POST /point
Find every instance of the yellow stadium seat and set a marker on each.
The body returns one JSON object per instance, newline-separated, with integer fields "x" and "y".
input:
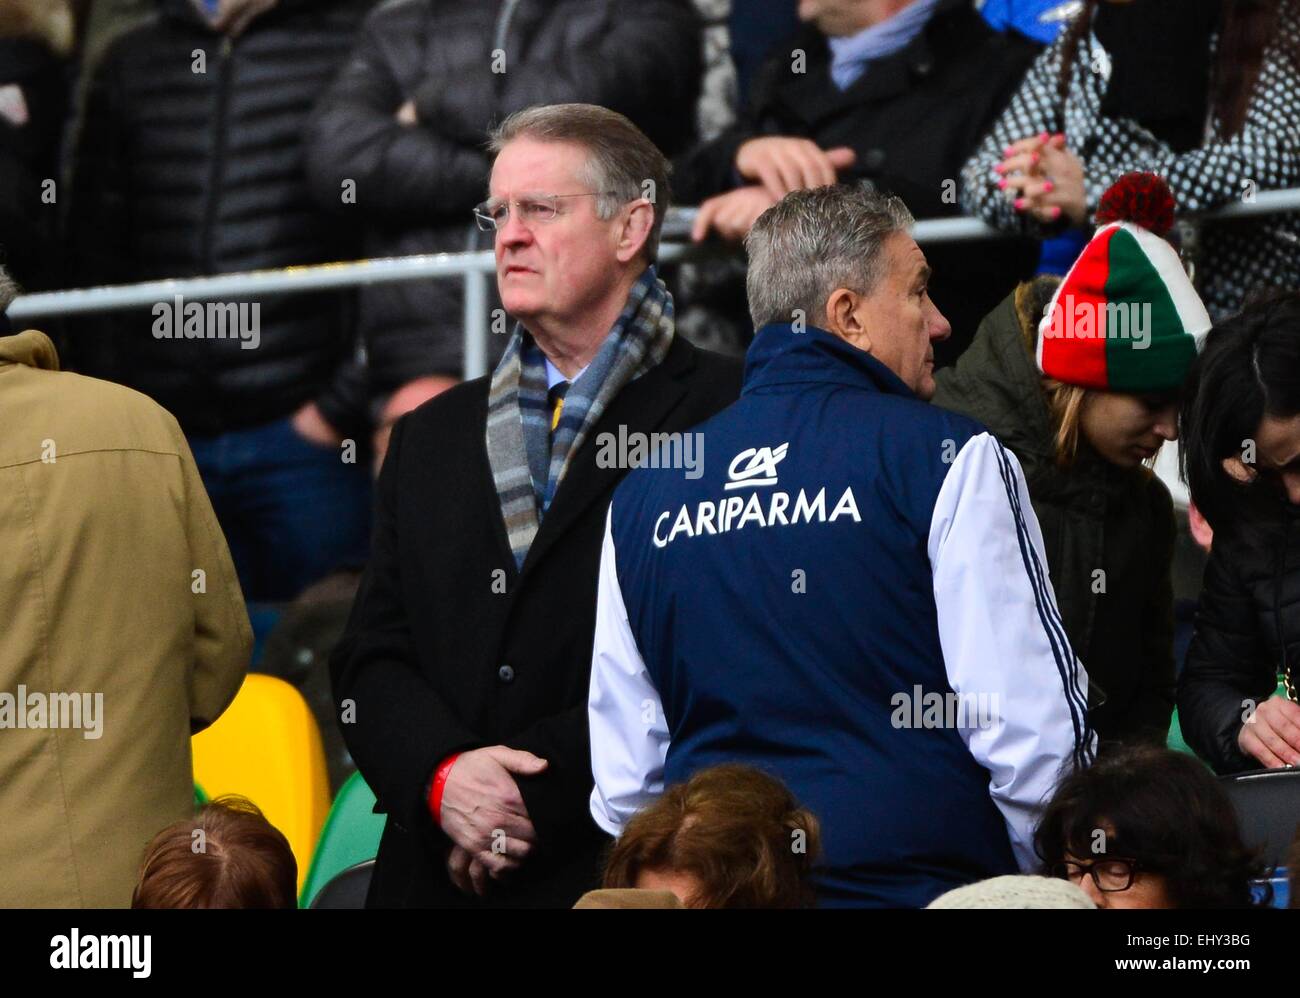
{"x": 266, "y": 747}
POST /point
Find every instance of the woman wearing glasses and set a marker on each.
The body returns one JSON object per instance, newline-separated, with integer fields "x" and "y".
{"x": 1241, "y": 433}
{"x": 1147, "y": 828}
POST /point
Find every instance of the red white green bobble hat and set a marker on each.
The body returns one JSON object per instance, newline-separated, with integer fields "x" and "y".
{"x": 1126, "y": 318}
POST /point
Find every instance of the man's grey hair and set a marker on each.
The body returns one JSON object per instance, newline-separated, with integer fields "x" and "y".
{"x": 9, "y": 289}
{"x": 814, "y": 241}
{"x": 621, "y": 158}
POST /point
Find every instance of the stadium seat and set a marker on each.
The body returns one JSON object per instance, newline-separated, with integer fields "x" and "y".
{"x": 347, "y": 889}
{"x": 267, "y": 748}
{"x": 1268, "y": 809}
{"x": 350, "y": 836}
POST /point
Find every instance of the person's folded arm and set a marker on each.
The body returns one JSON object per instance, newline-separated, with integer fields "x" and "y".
{"x": 644, "y": 62}
{"x": 403, "y": 174}
{"x": 1002, "y": 636}
{"x": 1227, "y": 671}
{"x": 629, "y": 733}
{"x": 397, "y": 727}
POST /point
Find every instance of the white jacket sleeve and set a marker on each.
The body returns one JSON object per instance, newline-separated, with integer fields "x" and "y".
{"x": 1002, "y": 636}
{"x": 629, "y": 735}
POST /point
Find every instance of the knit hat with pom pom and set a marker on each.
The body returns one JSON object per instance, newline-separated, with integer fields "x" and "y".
{"x": 1126, "y": 317}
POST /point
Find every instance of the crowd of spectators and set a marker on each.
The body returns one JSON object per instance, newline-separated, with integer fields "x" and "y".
{"x": 164, "y": 482}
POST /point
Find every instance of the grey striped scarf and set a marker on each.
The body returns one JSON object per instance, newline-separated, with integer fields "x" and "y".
{"x": 528, "y": 461}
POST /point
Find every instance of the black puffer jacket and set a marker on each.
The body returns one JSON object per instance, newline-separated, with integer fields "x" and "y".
{"x": 415, "y": 187}
{"x": 1247, "y": 631}
{"x": 189, "y": 167}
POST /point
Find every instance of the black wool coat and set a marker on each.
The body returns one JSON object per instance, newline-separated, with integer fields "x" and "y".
{"x": 436, "y": 659}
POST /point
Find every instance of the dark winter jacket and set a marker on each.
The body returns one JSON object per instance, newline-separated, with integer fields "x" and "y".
{"x": 912, "y": 118}
{"x": 1247, "y": 631}
{"x": 30, "y": 130}
{"x": 1109, "y": 532}
{"x": 191, "y": 163}
{"x": 466, "y": 66}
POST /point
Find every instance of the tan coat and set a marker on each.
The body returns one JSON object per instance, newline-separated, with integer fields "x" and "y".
{"x": 104, "y": 524}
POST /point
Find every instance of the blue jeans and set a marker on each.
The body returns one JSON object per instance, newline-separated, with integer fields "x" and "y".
{"x": 292, "y": 511}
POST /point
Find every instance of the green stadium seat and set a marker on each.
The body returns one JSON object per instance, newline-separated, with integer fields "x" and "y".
{"x": 350, "y": 836}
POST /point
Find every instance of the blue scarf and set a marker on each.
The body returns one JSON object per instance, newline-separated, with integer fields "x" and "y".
{"x": 850, "y": 56}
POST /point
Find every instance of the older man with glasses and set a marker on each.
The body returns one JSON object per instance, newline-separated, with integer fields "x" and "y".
{"x": 462, "y": 678}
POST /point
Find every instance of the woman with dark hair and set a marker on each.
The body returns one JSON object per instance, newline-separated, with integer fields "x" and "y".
{"x": 1147, "y": 828}
{"x": 1241, "y": 459}
{"x": 1205, "y": 93}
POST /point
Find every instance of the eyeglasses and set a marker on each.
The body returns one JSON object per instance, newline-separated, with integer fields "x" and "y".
{"x": 1110, "y": 875}
{"x": 493, "y": 213}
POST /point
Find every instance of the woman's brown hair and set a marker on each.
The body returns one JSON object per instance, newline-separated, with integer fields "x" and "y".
{"x": 227, "y": 856}
{"x": 1247, "y": 28}
{"x": 1064, "y": 402}
{"x": 738, "y": 832}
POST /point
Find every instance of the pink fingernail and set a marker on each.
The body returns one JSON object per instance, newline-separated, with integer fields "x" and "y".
{"x": 1019, "y": 203}
{"x": 1002, "y": 184}
{"x": 1007, "y": 150}
{"x": 999, "y": 168}
{"x": 1043, "y": 136}
{"x": 1048, "y": 187}
{"x": 1035, "y": 158}
{"x": 1056, "y": 213}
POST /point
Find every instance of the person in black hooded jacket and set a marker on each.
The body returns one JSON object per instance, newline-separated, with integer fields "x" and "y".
{"x": 397, "y": 142}
{"x": 190, "y": 162}
{"x": 1241, "y": 434}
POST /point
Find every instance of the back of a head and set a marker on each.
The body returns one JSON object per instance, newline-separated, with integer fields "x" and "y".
{"x": 226, "y": 856}
{"x": 814, "y": 241}
{"x": 737, "y": 833}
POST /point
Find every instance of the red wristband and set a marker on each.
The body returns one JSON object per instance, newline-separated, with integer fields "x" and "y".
{"x": 438, "y": 785}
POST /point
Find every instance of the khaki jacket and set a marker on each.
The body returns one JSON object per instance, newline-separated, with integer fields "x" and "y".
{"x": 115, "y": 584}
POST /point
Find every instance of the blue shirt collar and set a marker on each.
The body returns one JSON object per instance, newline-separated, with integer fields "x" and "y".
{"x": 850, "y": 56}
{"x": 554, "y": 375}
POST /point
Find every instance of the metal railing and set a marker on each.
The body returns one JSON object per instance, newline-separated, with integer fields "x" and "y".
{"x": 472, "y": 268}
